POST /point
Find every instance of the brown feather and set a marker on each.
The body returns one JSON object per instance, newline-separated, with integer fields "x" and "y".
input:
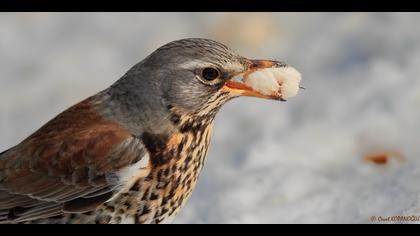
{"x": 62, "y": 162}
{"x": 81, "y": 205}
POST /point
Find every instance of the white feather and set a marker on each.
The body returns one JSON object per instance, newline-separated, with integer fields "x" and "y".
{"x": 127, "y": 220}
{"x": 128, "y": 173}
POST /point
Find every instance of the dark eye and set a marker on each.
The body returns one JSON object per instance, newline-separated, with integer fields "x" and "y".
{"x": 210, "y": 74}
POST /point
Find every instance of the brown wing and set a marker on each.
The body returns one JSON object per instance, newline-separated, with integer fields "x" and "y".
{"x": 69, "y": 165}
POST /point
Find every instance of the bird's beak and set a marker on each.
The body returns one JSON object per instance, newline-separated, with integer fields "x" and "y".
{"x": 265, "y": 79}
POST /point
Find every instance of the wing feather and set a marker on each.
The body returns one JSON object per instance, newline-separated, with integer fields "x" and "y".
{"x": 65, "y": 166}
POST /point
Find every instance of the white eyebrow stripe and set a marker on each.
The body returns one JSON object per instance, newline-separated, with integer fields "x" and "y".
{"x": 192, "y": 65}
{"x": 195, "y": 64}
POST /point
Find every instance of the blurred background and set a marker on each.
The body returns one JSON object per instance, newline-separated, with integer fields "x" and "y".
{"x": 343, "y": 150}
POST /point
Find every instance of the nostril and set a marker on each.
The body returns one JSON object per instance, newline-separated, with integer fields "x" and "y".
{"x": 254, "y": 65}
{"x": 279, "y": 64}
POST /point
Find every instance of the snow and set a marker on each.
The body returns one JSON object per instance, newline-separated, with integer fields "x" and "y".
{"x": 302, "y": 161}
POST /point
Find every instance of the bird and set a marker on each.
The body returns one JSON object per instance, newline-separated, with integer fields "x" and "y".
{"x": 132, "y": 153}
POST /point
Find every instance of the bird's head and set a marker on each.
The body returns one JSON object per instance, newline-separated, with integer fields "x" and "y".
{"x": 197, "y": 76}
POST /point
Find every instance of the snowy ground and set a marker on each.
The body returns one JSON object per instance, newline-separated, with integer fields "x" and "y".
{"x": 295, "y": 162}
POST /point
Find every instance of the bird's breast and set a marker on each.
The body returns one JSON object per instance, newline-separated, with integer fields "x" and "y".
{"x": 174, "y": 165}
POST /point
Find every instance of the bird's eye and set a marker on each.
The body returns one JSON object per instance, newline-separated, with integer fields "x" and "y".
{"x": 210, "y": 74}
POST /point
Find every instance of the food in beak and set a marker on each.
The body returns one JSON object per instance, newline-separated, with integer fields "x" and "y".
{"x": 278, "y": 81}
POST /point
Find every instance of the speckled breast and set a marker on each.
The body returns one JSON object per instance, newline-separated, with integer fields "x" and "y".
{"x": 158, "y": 197}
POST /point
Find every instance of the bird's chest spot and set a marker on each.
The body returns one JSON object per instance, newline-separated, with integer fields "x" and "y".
{"x": 170, "y": 184}
{"x": 159, "y": 196}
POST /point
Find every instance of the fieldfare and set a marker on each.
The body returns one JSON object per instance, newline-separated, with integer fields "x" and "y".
{"x": 133, "y": 152}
